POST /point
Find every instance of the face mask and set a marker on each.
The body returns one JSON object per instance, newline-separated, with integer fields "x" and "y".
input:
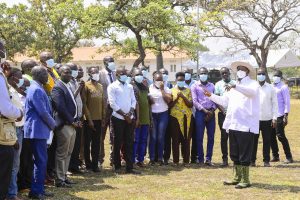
{"x": 145, "y": 73}
{"x": 26, "y": 89}
{"x": 203, "y": 77}
{"x": 21, "y": 82}
{"x": 111, "y": 66}
{"x": 187, "y": 76}
{"x": 128, "y": 80}
{"x": 261, "y": 78}
{"x": 95, "y": 77}
{"x": 276, "y": 79}
{"x": 123, "y": 78}
{"x": 157, "y": 83}
{"x": 180, "y": 84}
{"x": 74, "y": 73}
{"x": 50, "y": 63}
{"x": 165, "y": 77}
{"x": 139, "y": 79}
{"x": 241, "y": 74}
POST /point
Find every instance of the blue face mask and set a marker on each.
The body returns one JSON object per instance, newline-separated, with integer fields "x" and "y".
{"x": 128, "y": 80}
{"x": 139, "y": 79}
{"x": 50, "y": 63}
{"x": 180, "y": 84}
{"x": 111, "y": 66}
{"x": 123, "y": 78}
{"x": 261, "y": 77}
{"x": 187, "y": 76}
{"x": 74, "y": 73}
{"x": 165, "y": 77}
{"x": 203, "y": 77}
{"x": 145, "y": 73}
{"x": 21, "y": 82}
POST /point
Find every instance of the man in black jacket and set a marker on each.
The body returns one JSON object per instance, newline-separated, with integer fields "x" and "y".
{"x": 66, "y": 120}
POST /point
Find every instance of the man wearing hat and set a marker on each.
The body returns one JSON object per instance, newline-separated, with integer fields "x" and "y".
{"x": 241, "y": 121}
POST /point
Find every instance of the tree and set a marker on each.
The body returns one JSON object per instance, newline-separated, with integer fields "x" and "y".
{"x": 15, "y": 30}
{"x": 56, "y": 26}
{"x": 269, "y": 19}
{"x": 154, "y": 25}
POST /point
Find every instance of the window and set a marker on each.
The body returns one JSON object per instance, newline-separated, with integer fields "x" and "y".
{"x": 173, "y": 68}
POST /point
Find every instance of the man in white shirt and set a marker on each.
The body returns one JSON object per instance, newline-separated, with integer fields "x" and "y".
{"x": 123, "y": 103}
{"x": 267, "y": 116}
{"x": 241, "y": 121}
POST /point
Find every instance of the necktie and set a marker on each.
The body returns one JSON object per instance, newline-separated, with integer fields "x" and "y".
{"x": 110, "y": 77}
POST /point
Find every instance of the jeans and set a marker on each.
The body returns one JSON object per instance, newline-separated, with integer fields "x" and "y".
{"x": 157, "y": 137}
{"x": 140, "y": 143}
{"x": 40, "y": 157}
{"x": 210, "y": 127}
{"x": 13, "y": 187}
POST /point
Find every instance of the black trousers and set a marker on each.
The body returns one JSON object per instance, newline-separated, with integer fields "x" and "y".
{"x": 266, "y": 129}
{"x": 168, "y": 138}
{"x": 26, "y": 165}
{"x": 224, "y": 136}
{"x": 194, "y": 152}
{"x": 123, "y": 135}
{"x": 51, "y": 157}
{"x": 280, "y": 133}
{"x": 6, "y": 164}
{"x": 241, "y": 145}
{"x": 75, "y": 161}
{"x": 92, "y": 144}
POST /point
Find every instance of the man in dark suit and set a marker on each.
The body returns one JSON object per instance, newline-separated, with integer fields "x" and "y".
{"x": 66, "y": 119}
{"x": 107, "y": 76}
{"x": 37, "y": 127}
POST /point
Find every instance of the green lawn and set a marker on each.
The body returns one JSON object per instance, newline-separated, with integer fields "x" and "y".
{"x": 178, "y": 182}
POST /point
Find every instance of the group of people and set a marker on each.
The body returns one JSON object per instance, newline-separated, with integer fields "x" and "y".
{"x": 53, "y": 122}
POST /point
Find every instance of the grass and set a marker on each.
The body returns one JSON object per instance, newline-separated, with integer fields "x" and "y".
{"x": 177, "y": 182}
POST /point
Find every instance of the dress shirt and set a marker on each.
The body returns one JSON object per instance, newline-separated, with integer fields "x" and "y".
{"x": 268, "y": 102}
{"x": 7, "y": 109}
{"x": 73, "y": 86}
{"x": 283, "y": 98}
{"x": 201, "y": 101}
{"x": 121, "y": 96}
{"x": 159, "y": 104}
{"x": 242, "y": 104}
{"x": 72, "y": 95}
{"x": 19, "y": 101}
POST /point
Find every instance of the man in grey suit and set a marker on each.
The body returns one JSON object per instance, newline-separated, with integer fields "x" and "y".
{"x": 107, "y": 76}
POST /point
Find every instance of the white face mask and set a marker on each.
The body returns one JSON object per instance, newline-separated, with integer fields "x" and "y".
{"x": 95, "y": 77}
{"x": 276, "y": 79}
{"x": 74, "y": 73}
{"x": 241, "y": 74}
{"x": 203, "y": 77}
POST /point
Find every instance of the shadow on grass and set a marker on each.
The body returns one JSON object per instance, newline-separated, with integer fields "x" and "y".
{"x": 289, "y": 188}
{"x": 296, "y": 164}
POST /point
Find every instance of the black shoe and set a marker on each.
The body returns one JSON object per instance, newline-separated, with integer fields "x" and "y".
{"x": 63, "y": 185}
{"x": 208, "y": 163}
{"x": 275, "y": 159}
{"x": 36, "y": 196}
{"x": 48, "y": 194}
{"x": 132, "y": 171}
{"x": 166, "y": 162}
{"x": 253, "y": 164}
{"x": 288, "y": 161}
{"x": 225, "y": 163}
{"x": 76, "y": 171}
{"x": 161, "y": 163}
{"x": 267, "y": 164}
{"x": 151, "y": 163}
{"x": 96, "y": 170}
{"x": 69, "y": 182}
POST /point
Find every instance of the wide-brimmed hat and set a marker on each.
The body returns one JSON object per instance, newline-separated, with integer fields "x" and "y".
{"x": 246, "y": 64}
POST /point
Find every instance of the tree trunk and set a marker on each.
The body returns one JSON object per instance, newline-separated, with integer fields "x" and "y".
{"x": 142, "y": 56}
{"x": 264, "y": 59}
{"x": 159, "y": 55}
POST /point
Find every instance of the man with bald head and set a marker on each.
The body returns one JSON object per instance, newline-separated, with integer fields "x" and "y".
{"x": 27, "y": 66}
{"x": 37, "y": 127}
{"x": 65, "y": 108}
{"x": 107, "y": 77}
{"x": 46, "y": 60}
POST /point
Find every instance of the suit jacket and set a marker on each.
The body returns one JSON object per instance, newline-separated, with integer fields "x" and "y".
{"x": 63, "y": 104}
{"x": 38, "y": 114}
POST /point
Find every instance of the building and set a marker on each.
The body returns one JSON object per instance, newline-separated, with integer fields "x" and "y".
{"x": 91, "y": 56}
